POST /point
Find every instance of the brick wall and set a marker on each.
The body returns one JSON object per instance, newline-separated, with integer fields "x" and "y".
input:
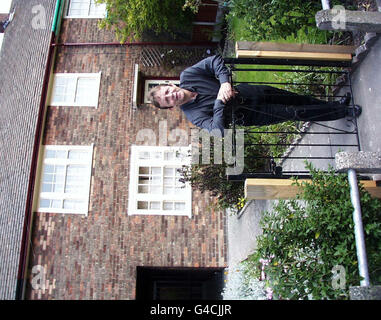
{"x": 95, "y": 257}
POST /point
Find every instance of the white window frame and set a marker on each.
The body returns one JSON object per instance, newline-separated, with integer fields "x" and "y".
{"x": 84, "y": 196}
{"x": 147, "y": 84}
{"x": 98, "y": 16}
{"x": 134, "y": 196}
{"x": 76, "y": 77}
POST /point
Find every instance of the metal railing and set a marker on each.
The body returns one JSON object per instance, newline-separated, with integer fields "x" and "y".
{"x": 296, "y": 142}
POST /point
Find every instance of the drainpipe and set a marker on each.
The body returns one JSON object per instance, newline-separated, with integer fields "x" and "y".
{"x": 23, "y": 263}
{"x": 137, "y": 44}
{"x": 359, "y": 230}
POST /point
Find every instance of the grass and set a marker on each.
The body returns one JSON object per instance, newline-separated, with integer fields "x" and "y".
{"x": 238, "y": 32}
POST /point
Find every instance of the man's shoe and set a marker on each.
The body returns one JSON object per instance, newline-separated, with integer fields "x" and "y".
{"x": 346, "y": 99}
{"x": 354, "y": 111}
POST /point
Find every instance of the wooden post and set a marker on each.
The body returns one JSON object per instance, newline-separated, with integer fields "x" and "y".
{"x": 267, "y": 189}
{"x": 273, "y": 50}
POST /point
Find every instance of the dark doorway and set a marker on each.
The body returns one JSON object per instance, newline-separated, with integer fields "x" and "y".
{"x": 157, "y": 283}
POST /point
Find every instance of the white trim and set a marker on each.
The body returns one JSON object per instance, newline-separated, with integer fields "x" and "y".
{"x": 1, "y": 40}
{"x": 75, "y": 77}
{"x": 67, "y": 16}
{"x": 134, "y": 196}
{"x": 135, "y": 90}
{"x": 85, "y": 196}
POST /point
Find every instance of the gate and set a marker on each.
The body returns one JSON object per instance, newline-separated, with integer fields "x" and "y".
{"x": 281, "y": 151}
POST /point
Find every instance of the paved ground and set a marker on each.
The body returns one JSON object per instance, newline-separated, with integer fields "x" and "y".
{"x": 366, "y": 82}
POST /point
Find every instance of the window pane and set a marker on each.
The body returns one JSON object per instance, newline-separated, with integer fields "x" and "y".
{"x": 155, "y": 190}
{"x": 78, "y": 155}
{"x": 75, "y": 179}
{"x": 169, "y": 155}
{"x": 142, "y": 204}
{"x": 154, "y": 205}
{"x": 144, "y": 155}
{"x": 179, "y": 206}
{"x": 53, "y": 178}
{"x": 169, "y": 190}
{"x": 85, "y": 94}
{"x": 47, "y": 187}
{"x": 143, "y": 170}
{"x": 97, "y": 9}
{"x": 157, "y": 155}
{"x": 156, "y": 170}
{"x": 156, "y": 180}
{"x": 50, "y": 204}
{"x": 143, "y": 180}
{"x": 168, "y": 181}
{"x": 169, "y": 172}
{"x": 143, "y": 189}
{"x": 64, "y": 88}
{"x": 79, "y": 8}
{"x": 48, "y": 178}
{"x": 168, "y": 205}
{"x": 74, "y": 204}
{"x": 55, "y": 154}
{"x": 48, "y": 169}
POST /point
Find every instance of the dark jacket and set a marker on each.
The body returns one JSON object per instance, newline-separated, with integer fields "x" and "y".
{"x": 205, "y": 78}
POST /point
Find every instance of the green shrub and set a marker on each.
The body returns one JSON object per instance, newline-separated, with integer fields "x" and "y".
{"x": 131, "y": 18}
{"x": 212, "y": 177}
{"x": 269, "y": 20}
{"x": 303, "y": 241}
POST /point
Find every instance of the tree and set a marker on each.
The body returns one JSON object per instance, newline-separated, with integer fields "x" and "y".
{"x": 130, "y": 18}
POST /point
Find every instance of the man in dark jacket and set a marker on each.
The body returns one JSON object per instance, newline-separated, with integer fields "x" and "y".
{"x": 205, "y": 93}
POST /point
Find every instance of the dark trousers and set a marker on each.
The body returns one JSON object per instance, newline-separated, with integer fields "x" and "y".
{"x": 265, "y": 105}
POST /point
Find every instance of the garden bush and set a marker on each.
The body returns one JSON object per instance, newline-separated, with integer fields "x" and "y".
{"x": 212, "y": 177}
{"x": 276, "y": 19}
{"x": 305, "y": 240}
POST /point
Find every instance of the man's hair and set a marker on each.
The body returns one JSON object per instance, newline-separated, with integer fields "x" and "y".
{"x": 152, "y": 95}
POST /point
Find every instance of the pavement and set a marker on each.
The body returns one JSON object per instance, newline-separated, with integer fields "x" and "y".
{"x": 366, "y": 85}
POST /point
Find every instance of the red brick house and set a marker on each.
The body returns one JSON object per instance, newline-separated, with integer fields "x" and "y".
{"x": 111, "y": 220}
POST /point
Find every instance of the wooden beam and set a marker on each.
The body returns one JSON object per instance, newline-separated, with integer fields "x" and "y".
{"x": 272, "y": 50}
{"x": 293, "y": 47}
{"x": 267, "y": 189}
{"x": 294, "y": 55}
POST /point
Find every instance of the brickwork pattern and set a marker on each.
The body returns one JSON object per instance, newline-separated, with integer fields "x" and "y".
{"x": 95, "y": 256}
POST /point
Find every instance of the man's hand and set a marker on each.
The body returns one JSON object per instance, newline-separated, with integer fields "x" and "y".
{"x": 226, "y": 92}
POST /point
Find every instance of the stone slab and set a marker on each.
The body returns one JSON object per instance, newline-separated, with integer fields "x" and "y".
{"x": 365, "y": 293}
{"x": 348, "y": 20}
{"x": 361, "y": 161}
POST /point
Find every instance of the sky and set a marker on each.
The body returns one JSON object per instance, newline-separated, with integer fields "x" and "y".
{"x": 5, "y": 5}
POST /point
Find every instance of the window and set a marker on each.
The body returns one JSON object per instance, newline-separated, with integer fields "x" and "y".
{"x": 149, "y": 84}
{"x": 155, "y": 185}
{"x": 85, "y": 9}
{"x": 65, "y": 179}
{"x": 76, "y": 89}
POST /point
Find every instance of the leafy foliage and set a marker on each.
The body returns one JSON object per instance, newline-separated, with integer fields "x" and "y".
{"x": 212, "y": 176}
{"x": 305, "y": 238}
{"x": 269, "y": 20}
{"x": 130, "y": 18}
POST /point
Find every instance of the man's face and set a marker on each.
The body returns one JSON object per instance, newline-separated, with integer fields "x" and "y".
{"x": 170, "y": 96}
